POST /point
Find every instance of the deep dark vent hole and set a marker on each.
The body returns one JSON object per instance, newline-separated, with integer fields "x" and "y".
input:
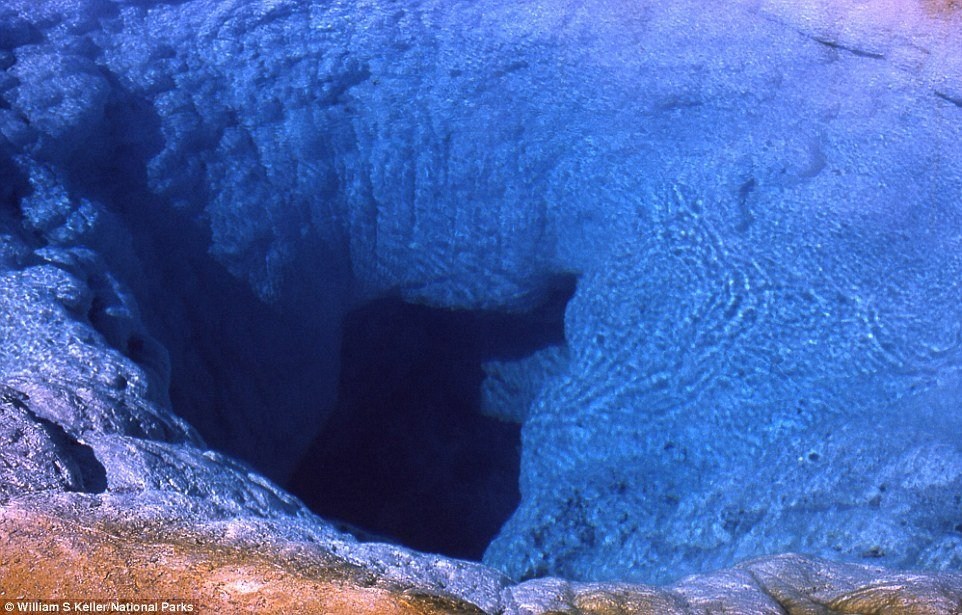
{"x": 407, "y": 454}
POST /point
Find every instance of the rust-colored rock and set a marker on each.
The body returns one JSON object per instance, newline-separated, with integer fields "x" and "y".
{"x": 53, "y": 554}
{"x": 45, "y": 557}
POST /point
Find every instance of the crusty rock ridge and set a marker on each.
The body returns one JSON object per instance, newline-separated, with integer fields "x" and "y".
{"x": 72, "y": 549}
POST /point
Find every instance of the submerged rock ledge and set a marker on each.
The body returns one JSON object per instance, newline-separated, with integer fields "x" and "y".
{"x": 87, "y": 546}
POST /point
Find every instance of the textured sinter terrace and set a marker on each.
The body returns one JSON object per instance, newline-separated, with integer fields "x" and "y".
{"x": 72, "y": 550}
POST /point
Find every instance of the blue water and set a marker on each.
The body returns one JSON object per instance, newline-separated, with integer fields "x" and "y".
{"x": 760, "y": 205}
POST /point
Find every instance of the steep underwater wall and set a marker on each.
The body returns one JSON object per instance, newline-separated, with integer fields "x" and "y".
{"x": 760, "y": 204}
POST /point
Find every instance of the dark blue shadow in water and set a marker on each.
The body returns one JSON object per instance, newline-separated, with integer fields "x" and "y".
{"x": 407, "y": 455}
